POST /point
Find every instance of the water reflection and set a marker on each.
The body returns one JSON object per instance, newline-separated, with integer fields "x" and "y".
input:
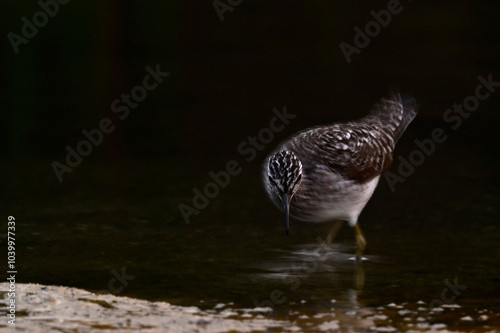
{"x": 335, "y": 272}
{"x": 316, "y": 264}
{"x": 310, "y": 265}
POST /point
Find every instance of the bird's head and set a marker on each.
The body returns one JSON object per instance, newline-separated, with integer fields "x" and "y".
{"x": 284, "y": 173}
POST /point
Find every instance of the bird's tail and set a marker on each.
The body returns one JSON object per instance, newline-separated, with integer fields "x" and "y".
{"x": 395, "y": 113}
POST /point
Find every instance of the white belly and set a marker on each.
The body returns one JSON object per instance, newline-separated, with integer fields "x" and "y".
{"x": 334, "y": 199}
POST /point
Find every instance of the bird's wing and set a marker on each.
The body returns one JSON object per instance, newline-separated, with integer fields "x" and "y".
{"x": 359, "y": 150}
{"x": 356, "y": 150}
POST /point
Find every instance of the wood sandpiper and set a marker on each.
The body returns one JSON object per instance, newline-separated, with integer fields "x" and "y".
{"x": 329, "y": 172}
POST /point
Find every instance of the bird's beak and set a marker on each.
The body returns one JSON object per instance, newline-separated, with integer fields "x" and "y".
{"x": 286, "y": 208}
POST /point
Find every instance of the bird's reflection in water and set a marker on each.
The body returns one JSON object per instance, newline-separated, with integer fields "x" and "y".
{"x": 318, "y": 261}
{"x": 321, "y": 282}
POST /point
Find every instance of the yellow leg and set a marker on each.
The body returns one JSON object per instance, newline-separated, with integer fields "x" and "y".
{"x": 334, "y": 232}
{"x": 360, "y": 240}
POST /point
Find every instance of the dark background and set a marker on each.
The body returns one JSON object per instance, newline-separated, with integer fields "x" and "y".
{"x": 227, "y": 76}
{"x": 119, "y": 207}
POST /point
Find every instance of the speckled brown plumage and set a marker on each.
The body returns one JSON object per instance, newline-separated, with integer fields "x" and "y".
{"x": 330, "y": 172}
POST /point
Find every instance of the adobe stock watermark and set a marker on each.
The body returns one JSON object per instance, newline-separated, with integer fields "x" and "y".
{"x": 29, "y": 29}
{"x": 117, "y": 283}
{"x": 454, "y": 290}
{"x": 249, "y": 148}
{"x": 222, "y": 6}
{"x": 120, "y": 106}
{"x": 449, "y": 294}
{"x": 454, "y": 117}
{"x": 372, "y": 29}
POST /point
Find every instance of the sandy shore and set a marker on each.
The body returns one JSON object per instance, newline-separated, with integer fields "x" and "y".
{"x": 60, "y": 309}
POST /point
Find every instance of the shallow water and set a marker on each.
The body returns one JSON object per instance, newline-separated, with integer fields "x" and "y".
{"x": 432, "y": 256}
